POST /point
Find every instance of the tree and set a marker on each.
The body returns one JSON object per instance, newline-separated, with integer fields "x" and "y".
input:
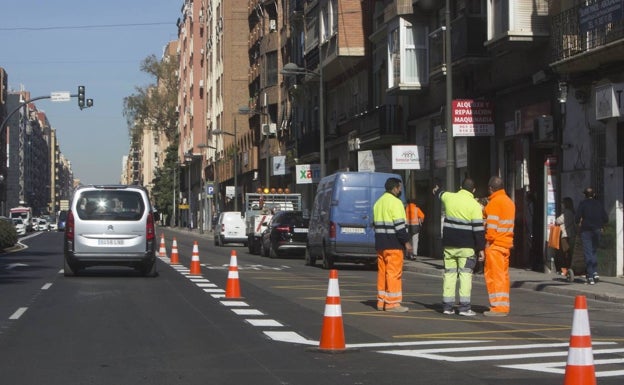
{"x": 164, "y": 183}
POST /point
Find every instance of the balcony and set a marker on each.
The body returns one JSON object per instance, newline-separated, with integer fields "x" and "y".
{"x": 468, "y": 33}
{"x": 380, "y": 126}
{"x": 585, "y": 43}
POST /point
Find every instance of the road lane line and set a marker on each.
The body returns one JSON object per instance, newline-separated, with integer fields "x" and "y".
{"x": 263, "y": 322}
{"x": 18, "y": 313}
{"x": 46, "y": 286}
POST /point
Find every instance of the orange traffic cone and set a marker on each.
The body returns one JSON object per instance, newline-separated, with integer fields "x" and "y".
{"x": 580, "y": 367}
{"x": 195, "y": 268}
{"x": 232, "y": 288}
{"x": 175, "y": 258}
{"x": 162, "y": 252}
{"x": 332, "y": 334}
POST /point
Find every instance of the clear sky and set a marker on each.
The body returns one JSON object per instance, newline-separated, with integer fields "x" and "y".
{"x": 56, "y": 45}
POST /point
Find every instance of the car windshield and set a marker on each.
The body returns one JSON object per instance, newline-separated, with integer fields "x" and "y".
{"x": 110, "y": 205}
{"x": 18, "y": 221}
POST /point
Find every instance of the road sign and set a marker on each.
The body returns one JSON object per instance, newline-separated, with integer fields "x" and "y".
{"x": 60, "y": 96}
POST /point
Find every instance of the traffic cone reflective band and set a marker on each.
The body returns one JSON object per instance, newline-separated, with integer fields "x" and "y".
{"x": 580, "y": 367}
{"x": 175, "y": 258}
{"x": 195, "y": 268}
{"x": 332, "y": 334}
{"x": 162, "y": 252}
{"x": 232, "y": 288}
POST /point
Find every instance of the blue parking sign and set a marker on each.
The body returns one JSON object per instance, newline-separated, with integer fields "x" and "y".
{"x": 210, "y": 190}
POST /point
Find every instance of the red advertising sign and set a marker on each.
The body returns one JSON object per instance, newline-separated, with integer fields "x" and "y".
{"x": 473, "y": 118}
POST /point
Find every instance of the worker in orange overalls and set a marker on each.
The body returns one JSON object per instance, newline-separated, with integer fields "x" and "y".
{"x": 415, "y": 218}
{"x": 500, "y": 214}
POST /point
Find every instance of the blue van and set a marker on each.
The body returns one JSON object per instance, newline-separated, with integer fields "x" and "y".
{"x": 341, "y": 220}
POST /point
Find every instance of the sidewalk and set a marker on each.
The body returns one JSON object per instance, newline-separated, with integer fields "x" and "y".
{"x": 610, "y": 289}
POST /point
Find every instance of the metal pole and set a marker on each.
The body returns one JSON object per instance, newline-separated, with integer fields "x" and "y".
{"x": 200, "y": 220}
{"x": 173, "y": 216}
{"x": 450, "y": 144}
{"x": 188, "y": 212}
{"x": 322, "y": 120}
{"x": 235, "y": 167}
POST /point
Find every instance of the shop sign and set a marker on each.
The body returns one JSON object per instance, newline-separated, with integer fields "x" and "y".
{"x": 609, "y": 101}
{"x": 408, "y": 157}
{"x": 473, "y": 117}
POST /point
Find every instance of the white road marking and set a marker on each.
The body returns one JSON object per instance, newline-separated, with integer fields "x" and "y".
{"x": 234, "y": 303}
{"x": 247, "y": 312}
{"x": 263, "y": 322}
{"x": 46, "y": 286}
{"x": 559, "y": 367}
{"x": 18, "y": 313}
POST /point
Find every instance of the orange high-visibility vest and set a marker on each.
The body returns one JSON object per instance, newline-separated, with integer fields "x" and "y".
{"x": 414, "y": 215}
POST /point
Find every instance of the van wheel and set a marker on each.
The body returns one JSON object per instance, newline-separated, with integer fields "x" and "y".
{"x": 68, "y": 269}
{"x": 309, "y": 259}
{"x": 148, "y": 269}
{"x": 328, "y": 261}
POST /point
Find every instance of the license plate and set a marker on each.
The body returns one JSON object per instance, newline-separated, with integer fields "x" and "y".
{"x": 352, "y": 230}
{"x": 300, "y": 230}
{"x": 110, "y": 242}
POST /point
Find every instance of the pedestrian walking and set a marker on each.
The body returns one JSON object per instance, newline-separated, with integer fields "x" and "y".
{"x": 565, "y": 221}
{"x": 463, "y": 235}
{"x": 415, "y": 218}
{"x": 391, "y": 242}
{"x": 500, "y": 216}
{"x": 591, "y": 218}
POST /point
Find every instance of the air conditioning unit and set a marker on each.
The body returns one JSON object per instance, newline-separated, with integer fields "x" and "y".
{"x": 272, "y": 25}
{"x": 201, "y": 83}
{"x": 269, "y": 129}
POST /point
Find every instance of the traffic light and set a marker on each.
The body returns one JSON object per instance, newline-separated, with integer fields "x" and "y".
{"x": 89, "y": 103}
{"x": 81, "y": 97}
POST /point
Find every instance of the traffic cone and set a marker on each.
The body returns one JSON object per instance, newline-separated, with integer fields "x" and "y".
{"x": 175, "y": 258}
{"x": 195, "y": 268}
{"x": 162, "y": 252}
{"x": 580, "y": 366}
{"x": 332, "y": 334}
{"x": 232, "y": 288}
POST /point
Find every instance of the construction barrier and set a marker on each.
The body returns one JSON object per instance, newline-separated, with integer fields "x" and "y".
{"x": 332, "y": 333}
{"x": 580, "y": 366}
{"x": 195, "y": 267}
{"x": 232, "y": 288}
{"x": 175, "y": 258}
{"x": 162, "y": 251}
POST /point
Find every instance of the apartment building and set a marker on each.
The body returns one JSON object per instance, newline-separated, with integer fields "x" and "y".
{"x": 337, "y": 84}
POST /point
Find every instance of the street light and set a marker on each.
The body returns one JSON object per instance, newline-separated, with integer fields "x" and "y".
{"x": 293, "y": 69}
{"x": 221, "y": 132}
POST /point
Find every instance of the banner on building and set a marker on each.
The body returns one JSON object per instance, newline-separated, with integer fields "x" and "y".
{"x": 410, "y": 157}
{"x": 472, "y": 117}
{"x": 308, "y": 173}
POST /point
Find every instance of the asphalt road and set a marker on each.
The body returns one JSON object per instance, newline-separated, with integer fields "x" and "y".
{"x": 111, "y": 325}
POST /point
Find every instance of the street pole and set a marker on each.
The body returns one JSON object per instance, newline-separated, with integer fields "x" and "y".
{"x": 450, "y": 144}
{"x": 322, "y": 121}
{"x": 235, "y": 166}
{"x": 173, "y": 219}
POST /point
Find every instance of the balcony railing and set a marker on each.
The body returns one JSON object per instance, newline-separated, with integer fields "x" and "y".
{"x": 571, "y": 36}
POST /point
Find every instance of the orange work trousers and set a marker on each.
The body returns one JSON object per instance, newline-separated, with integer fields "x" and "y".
{"x": 496, "y": 274}
{"x": 389, "y": 272}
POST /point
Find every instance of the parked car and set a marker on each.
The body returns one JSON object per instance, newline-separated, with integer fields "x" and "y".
{"x": 110, "y": 225}
{"x": 53, "y": 226}
{"x": 341, "y": 220}
{"x": 43, "y": 225}
{"x": 230, "y": 228}
{"x": 20, "y": 226}
{"x": 286, "y": 234}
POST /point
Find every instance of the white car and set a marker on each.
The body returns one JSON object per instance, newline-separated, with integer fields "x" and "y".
{"x": 53, "y": 226}
{"x": 43, "y": 225}
{"x": 20, "y": 227}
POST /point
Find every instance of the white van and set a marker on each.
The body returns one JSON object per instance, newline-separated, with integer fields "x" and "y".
{"x": 230, "y": 228}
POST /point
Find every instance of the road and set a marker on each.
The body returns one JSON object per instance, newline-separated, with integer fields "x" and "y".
{"x": 111, "y": 325}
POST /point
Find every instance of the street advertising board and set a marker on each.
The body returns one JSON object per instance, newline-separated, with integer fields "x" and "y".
{"x": 408, "y": 157}
{"x": 473, "y": 117}
{"x": 308, "y": 173}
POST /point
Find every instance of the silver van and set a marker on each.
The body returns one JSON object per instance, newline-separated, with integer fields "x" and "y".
{"x": 110, "y": 225}
{"x": 230, "y": 228}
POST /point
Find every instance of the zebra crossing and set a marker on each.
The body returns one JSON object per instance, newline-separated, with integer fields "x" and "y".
{"x": 530, "y": 357}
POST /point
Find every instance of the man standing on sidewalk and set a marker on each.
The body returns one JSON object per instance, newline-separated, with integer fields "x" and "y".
{"x": 391, "y": 242}
{"x": 462, "y": 237}
{"x": 592, "y": 218}
{"x": 500, "y": 214}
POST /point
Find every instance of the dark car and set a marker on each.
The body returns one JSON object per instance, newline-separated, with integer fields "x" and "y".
{"x": 286, "y": 234}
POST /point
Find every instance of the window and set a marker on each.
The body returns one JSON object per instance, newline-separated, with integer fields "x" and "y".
{"x": 407, "y": 55}
{"x": 271, "y": 68}
{"x": 329, "y": 20}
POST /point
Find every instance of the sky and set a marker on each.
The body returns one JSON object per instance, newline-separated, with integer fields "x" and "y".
{"x": 48, "y": 46}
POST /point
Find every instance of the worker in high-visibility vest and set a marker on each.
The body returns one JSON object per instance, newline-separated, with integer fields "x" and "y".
{"x": 500, "y": 214}
{"x": 391, "y": 242}
{"x": 415, "y": 218}
{"x": 462, "y": 237}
